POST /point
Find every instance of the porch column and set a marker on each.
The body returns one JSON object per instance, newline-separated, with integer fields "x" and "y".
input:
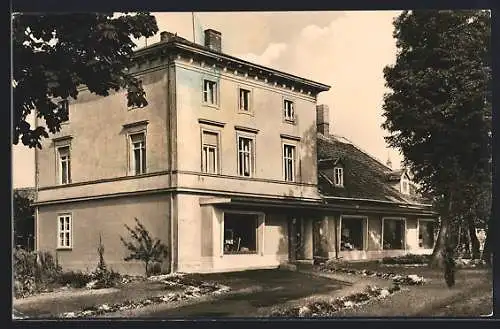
{"x": 308, "y": 239}
{"x": 331, "y": 238}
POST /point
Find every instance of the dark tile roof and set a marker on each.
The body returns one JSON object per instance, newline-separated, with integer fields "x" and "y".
{"x": 364, "y": 176}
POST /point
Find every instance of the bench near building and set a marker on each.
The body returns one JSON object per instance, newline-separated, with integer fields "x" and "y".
{"x": 231, "y": 164}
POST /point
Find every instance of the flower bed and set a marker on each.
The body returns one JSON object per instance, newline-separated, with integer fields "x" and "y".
{"x": 191, "y": 289}
{"x": 324, "y": 308}
{"x": 409, "y": 280}
{"x": 469, "y": 263}
{"x": 409, "y": 259}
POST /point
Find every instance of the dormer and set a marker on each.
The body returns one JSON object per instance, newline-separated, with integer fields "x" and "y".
{"x": 333, "y": 168}
{"x": 401, "y": 181}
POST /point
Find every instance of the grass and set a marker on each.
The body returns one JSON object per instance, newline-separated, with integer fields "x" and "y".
{"x": 471, "y": 295}
{"x": 261, "y": 289}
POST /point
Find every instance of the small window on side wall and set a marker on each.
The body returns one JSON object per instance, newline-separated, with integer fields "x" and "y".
{"x": 338, "y": 176}
{"x": 289, "y": 110}
{"x": 138, "y": 153}
{"x": 244, "y": 100}
{"x": 210, "y": 92}
{"x": 63, "y": 110}
{"x": 210, "y": 152}
{"x": 64, "y": 164}
{"x": 64, "y": 232}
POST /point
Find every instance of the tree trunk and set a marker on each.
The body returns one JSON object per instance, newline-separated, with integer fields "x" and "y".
{"x": 473, "y": 238}
{"x": 439, "y": 253}
{"x": 146, "y": 264}
{"x": 486, "y": 251}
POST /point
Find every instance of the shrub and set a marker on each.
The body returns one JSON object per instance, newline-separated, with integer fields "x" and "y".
{"x": 407, "y": 259}
{"x": 144, "y": 248}
{"x": 33, "y": 271}
{"x": 103, "y": 277}
{"x": 75, "y": 279}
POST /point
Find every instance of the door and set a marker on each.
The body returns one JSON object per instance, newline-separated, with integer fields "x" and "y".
{"x": 295, "y": 238}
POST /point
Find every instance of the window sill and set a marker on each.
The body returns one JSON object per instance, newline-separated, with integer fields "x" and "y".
{"x": 228, "y": 253}
{"x": 214, "y": 106}
{"x": 249, "y": 112}
{"x": 289, "y": 121}
{"x": 64, "y": 248}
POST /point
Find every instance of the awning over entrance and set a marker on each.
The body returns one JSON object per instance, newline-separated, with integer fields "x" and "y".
{"x": 350, "y": 206}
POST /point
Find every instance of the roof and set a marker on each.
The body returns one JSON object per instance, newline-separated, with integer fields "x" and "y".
{"x": 182, "y": 44}
{"x": 364, "y": 176}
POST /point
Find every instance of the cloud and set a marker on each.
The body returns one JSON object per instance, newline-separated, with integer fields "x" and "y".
{"x": 270, "y": 54}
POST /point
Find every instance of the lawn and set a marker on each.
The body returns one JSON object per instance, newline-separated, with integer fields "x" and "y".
{"x": 259, "y": 290}
{"x": 471, "y": 296}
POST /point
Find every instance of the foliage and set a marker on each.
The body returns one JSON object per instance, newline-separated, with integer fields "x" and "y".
{"x": 102, "y": 277}
{"x": 33, "y": 271}
{"x": 407, "y": 259}
{"x": 75, "y": 279}
{"x": 144, "y": 248}
{"x": 56, "y": 54}
{"x": 438, "y": 112}
{"x": 24, "y": 218}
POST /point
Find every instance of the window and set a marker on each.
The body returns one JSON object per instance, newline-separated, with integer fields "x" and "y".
{"x": 209, "y": 154}
{"x": 245, "y": 156}
{"x": 63, "y": 110}
{"x": 405, "y": 186}
{"x": 64, "y": 235}
{"x": 289, "y": 162}
{"x": 288, "y": 110}
{"x": 210, "y": 92}
{"x": 352, "y": 233}
{"x": 244, "y": 102}
{"x": 138, "y": 153}
{"x": 338, "y": 176}
{"x": 240, "y": 233}
{"x": 394, "y": 234}
{"x": 426, "y": 234}
{"x": 64, "y": 165}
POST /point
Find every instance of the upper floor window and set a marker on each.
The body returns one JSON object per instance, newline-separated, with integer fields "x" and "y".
{"x": 63, "y": 110}
{"x": 338, "y": 176}
{"x": 288, "y": 110}
{"x": 210, "y": 92}
{"x": 289, "y": 162}
{"x": 244, "y": 101}
{"x": 64, "y": 231}
{"x": 209, "y": 152}
{"x": 138, "y": 153}
{"x": 405, "y": 186}
{"x": 64, "y": 160}
{"x": 246, "y": 159}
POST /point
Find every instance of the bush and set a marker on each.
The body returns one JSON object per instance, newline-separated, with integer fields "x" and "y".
{"x": 407, "y": 259}
{"x": 75, "y": 279}
{"x": 33, "y": 271}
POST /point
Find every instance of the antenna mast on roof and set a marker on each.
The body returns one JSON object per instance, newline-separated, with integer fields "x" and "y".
{"x": 192, "y": 20}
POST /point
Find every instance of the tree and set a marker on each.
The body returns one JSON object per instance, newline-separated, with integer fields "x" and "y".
{"x": 438, "y": 112}
{"x": 24, "y": 219}
{"x": 144, "y": 248}
{"x": 55, "y": 54}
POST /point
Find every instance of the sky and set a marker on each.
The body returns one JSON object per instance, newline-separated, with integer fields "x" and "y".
{"x": 346, "y": 50}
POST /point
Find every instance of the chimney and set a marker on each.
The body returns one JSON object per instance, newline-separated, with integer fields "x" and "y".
{"x": 323, "y": 119}
{"x": 213, "y": 40}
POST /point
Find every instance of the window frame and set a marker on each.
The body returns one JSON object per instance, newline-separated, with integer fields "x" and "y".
{"x": 404, "y": 180}
{"x": 294, "y": 147}
{"x": 418, "y": 233}
{"x": 364, "y": 224}
{"x": 132, "y": 171}
{"x": 59, "y": 164}
{"x": 405, "y": 230}
{"x": 216, "y": 94}
{"x": 259, "y": 236}
{"x": 60, "y": 216}
{"x": 249, "y": 90}
{"x": 64, "y": 102}
{"x": 341, "y": 170}
{"x": 287, "y": 119}
{"x": 217, "y": 150}
{"x": 253, "y": 160}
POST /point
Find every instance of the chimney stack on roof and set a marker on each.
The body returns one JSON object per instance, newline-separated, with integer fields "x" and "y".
{"x": 213, "y": 40}
{"x": 323, "y": 119}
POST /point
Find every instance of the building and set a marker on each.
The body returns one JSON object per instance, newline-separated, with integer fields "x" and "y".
{"x": 221, "y": 165}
